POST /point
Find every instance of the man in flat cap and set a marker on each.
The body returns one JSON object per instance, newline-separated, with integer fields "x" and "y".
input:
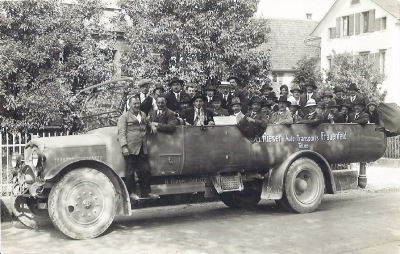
{"x": 147, "y": 102}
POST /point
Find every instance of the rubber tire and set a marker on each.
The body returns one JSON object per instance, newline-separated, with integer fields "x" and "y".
{"x": 26, "y": 211}
{"x": 292, "y": 200}
{"x": 248, "y": 198}
{"x": 79, "y": 187}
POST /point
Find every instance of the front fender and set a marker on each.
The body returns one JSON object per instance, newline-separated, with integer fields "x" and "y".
{"x": 123, "y": 201}
{"x": 274, "y": 184}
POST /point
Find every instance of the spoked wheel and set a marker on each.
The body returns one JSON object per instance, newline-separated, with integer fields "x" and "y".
{"x": 83, "y": 203}
{"x": 248, "y": 198}
{"x": 304, "y": 186}
{"x": 27, "y": 212}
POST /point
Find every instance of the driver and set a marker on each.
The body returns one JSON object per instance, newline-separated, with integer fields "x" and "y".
{"x": 132, "y": 126}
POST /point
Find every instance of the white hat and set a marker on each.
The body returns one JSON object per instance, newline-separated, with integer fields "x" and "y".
{"x": 311, "y": 102}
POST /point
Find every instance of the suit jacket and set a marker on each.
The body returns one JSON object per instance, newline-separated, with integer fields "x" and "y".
{"x": 239, "y": 116}
{"x": 172, "y": 102}
{"x": 296, "y": 118}
{"x": 260, "y": 119}
{"x": 281, "y": 117}
{"x": 226, "y": 102}
{"x": 189, "y": 116}
{"x": 312, "y": 119}
{"x": 220, "y": 112}
{"x": 303, "y": 101}
{"x": 146, "y": 105}
{"x": 242, "y": 94}
{"x": 253, "y": 129}
{"x": 335, "y": 118}
{"x": 166, "y": 121}
{"x": 362, "y": 118}
{"x": 131, "y": 133}
{"x": 358, "y": 97}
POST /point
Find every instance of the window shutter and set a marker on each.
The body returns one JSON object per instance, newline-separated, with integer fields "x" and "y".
{"x": 357, "y": 23}
{"x": 371, "y": 21}
{"x": 351, "y": 25}
{"x": 371, "y": 57}
{"x": 378, "y": 24}
{"x": 376, "y": 63}
{"x": 338, "y": 27}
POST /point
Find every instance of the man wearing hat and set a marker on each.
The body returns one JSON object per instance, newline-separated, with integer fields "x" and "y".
{"x": 184, "y": 106}
{"x": 312, "y": 118}
{"x": 344, "y": 110}
{"x": 327, "y": 97}
{"x": 338, "y": 92}
{"x": 295, "y": 93}
{"x": 333, "y": 115}
{"x": 283, "y": 116}
{"x": 254, "y": 123}
{"x": 147, "y": 102}
{"x": 352, "y": 90}
{"x": 236, "y": 107}
{"x": 265, "y": 90}
{"x": 359, "y": 116}
{"x": 294, "y": 110}
{"x": 265, "y": 108}
{"x": 198, "y": 115}
{"x": 372, "y": 111}
{"x": 225, "y": 91}
{"x": 309, "y": 94}
{"x": 175, "y": 94}
{"x": 238, "y": 92}
{"x": 216, "y": 106}
{"x": 163, "y": 119}
{"x": 209, "y": 94}
{"x": 271, "y": 99}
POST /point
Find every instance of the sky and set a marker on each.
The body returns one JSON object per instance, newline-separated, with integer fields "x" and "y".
{"x": 293, "y": 9}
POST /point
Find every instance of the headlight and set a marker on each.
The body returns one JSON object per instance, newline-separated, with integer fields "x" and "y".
{"x": 16, "y": 160}
{"x": 37, "y": 158}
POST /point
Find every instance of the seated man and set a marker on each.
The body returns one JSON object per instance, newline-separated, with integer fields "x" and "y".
{"x": 282, "y": 116}
{"x": 265, "y": 108}
{"x": 312, "y": 118}
{"x": 254, "y": 123}
{"x": 334, "y": 116}
{"x": 294, "y": 109}
{"x": 236, "y": 107}
{"x": 216, "y": 106}
{"x": 359, "y": 116}
{"x": 345, "y": 109}
{"x": 197, "y": 115}
{"x": 163, "y": 119}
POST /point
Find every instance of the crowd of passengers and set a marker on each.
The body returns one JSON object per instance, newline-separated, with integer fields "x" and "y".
{"x": 183, "y": 105}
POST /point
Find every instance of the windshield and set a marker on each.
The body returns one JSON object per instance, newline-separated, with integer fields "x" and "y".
{"x": 104, "y": 104}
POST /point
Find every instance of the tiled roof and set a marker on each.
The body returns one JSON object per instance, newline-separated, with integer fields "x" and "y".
{"x": 287, "y": 42}
{"x": 391, "y": 6}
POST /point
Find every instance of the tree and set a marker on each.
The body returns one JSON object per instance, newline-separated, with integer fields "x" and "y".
{"x": 201, "y": 41}
{"x": 49, "y": 50}
{"x": 307, "y": 69}
{"x": 347, "y": 68}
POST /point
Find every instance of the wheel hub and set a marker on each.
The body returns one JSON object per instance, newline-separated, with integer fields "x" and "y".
{"x": 85, "y": 202}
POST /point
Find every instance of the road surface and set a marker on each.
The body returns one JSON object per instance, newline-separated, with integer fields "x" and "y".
{"x": 357, "y": 221}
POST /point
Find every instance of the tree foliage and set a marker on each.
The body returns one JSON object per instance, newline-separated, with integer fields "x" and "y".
{"x": 49, "y": 50}
{"x": 307, "y": 69}
{"x": 347, "y": 68}
{"x": 201, "y": 41}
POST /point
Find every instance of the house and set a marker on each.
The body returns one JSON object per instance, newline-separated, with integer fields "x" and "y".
{"x": 287, "y": 44}
{"x": 366, "y": 27}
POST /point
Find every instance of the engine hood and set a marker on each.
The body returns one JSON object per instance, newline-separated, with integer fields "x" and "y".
{"x": 85, "y": 140}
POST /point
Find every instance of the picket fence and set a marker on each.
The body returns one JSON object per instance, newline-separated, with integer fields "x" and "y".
{"x": 16, "y": 142}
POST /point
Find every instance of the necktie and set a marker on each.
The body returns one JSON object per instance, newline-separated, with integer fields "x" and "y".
{"x": 253, "y": 114}
{"x": 356, "y": 117}
{"x": 177, "y": 97}
{"x": 159, "y": 113}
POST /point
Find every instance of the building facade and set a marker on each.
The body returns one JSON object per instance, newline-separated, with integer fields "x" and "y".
{"x": 370, "y": 28}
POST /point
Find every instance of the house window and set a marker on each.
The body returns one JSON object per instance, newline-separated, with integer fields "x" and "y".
{"x": 329, "y": 62}
{"x": 308, "y": 15}
{"x": 383, "y": 23}
{"x": 274, "y": 78}
{"x": 364, "y": 55}
{"x": 345, "y": 27}
{"x": 355, "y": 2}
{"x": 382, "y": 59}
{"x": 365, "y": 22}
